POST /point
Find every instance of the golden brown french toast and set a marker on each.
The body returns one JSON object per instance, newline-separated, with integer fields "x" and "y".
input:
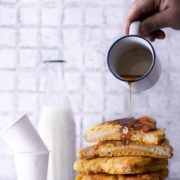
{"x": 161, "y": 175}
{"x": 120, "y": 165}
{"x": 142, "y": 130}
{"x": 119, "y": 148}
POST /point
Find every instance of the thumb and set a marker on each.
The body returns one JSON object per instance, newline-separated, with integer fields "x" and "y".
{"x": 154, "y": 23}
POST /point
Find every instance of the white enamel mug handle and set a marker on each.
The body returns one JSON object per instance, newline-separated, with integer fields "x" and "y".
{"x": 134, "y": 28}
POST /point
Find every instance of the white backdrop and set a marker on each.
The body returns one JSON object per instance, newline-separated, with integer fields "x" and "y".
{"x": 80, "y": 31}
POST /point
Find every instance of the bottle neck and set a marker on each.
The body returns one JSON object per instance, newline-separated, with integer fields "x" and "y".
{"x": 55, "y": 88}
{"x": 55, "y": 77}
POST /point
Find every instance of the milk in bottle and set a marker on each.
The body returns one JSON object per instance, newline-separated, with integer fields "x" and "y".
{"x": 56, "y": 126}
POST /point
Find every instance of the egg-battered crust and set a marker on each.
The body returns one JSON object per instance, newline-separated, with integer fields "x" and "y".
{"x": 120, "y": 165}
{"x": 119, "y": 148}
{"x": 161, "y": 175}
{"x": 142, "y": 130}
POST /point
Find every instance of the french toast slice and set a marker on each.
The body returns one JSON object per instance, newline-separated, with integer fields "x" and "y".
{"x": 120, "y": 165}
{"x": 119, "y": 148}
{"x": 161, "y": 175}
{"x": 142, "y": 130}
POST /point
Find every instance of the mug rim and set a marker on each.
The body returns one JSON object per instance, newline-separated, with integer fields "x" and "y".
{"x": 142, "y": 77}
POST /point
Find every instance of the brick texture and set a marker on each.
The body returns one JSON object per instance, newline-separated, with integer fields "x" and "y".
{"x": 80, "y": 32}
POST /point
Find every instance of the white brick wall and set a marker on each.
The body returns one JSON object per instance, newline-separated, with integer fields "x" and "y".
{"x": 8, "y": 37}
{"x": 51, "y": 16}
{"x": 8, "y": 16}
{"x": 28, "y": 37}
{"x": 8, "y": 58}
{"x": 28, "y": 58}
{"x": 80, "y": 31}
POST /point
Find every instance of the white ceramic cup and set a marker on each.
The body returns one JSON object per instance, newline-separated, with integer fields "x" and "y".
{"x": 21, "y": 136}
{"x": 31, "y": 166}
{"x": 125, "y": 45}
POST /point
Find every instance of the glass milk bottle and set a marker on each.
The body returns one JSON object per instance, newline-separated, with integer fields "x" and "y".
{"x": 57, "y": 127}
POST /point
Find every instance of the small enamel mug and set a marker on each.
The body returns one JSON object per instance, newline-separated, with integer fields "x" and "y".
{"x": 134, "y": 55}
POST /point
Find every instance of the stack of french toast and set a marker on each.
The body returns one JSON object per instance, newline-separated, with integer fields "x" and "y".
{"x": 125, "y": 149}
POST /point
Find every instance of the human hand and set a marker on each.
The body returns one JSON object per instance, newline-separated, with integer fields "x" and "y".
{"x": 154, "y": 15}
